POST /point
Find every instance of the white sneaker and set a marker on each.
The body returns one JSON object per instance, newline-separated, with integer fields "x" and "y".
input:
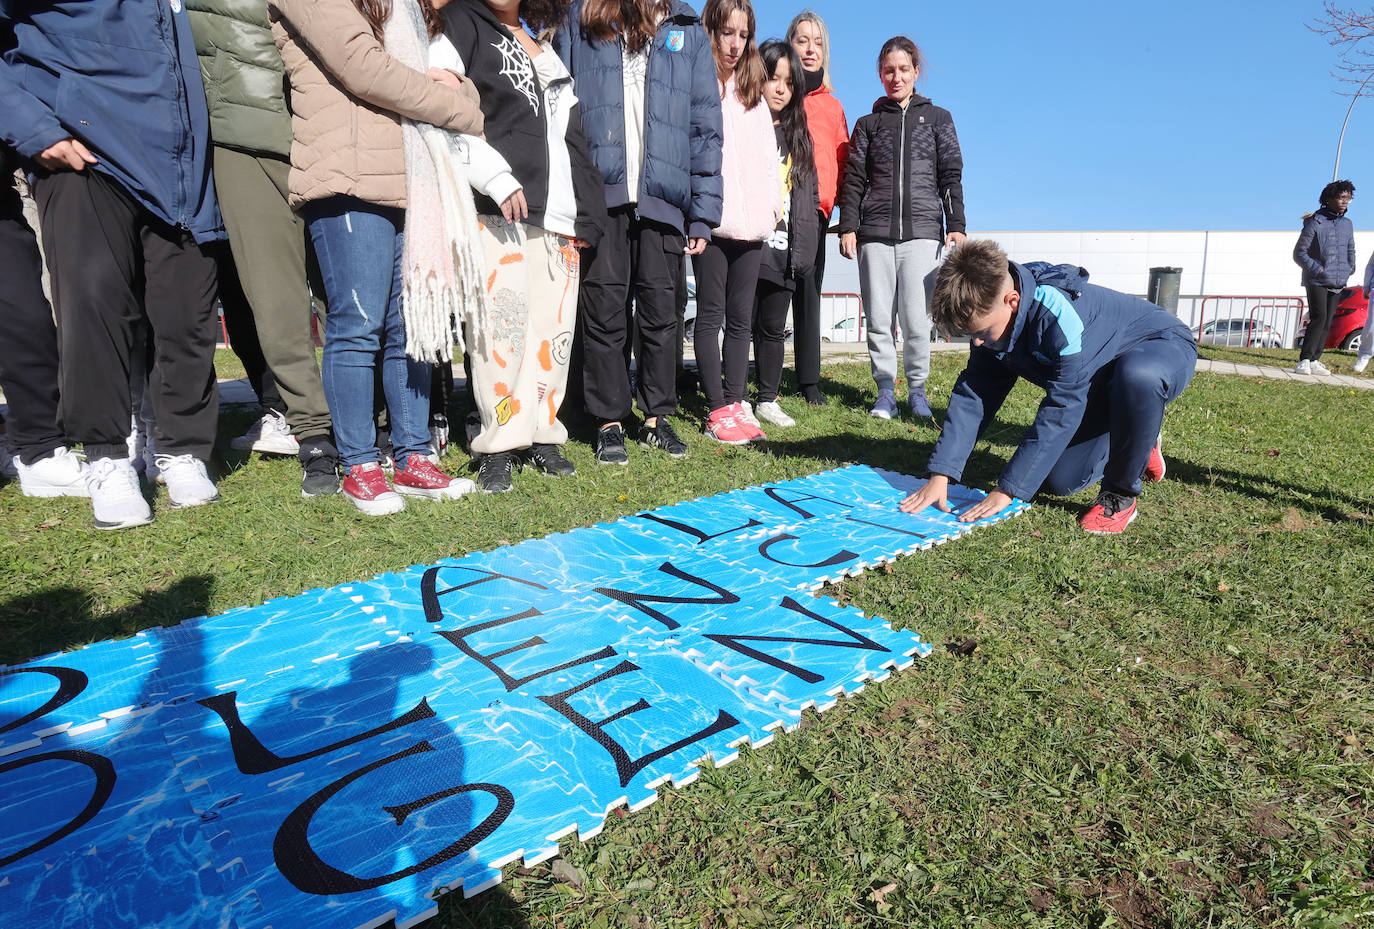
{"x": 1319, "y": 368}
{"x": 1303, "y": 367}
{"x": 268, "y": 436}
{"x": 116, "y": 499}
{"x": 1361, "y": 363}
{"x": 187, "y": 482}
{"x": 771, "y": 412}
{"x": 61, "y": 474}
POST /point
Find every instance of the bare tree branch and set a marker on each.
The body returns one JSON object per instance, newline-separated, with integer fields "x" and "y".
{"x": 1351, "y": 32}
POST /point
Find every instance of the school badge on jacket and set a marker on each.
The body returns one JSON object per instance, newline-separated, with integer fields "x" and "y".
{"x": 676, "y": 39}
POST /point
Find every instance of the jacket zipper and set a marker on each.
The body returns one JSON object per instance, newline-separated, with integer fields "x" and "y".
{"x": 901, "y": 177}
{"x": 166, "y": 29}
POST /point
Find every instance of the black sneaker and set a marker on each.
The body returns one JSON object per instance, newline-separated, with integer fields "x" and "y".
{"x": 661, "y": 435}
{"x": 548, "y": 459}
{"x": 813, "y": 396}
{"x": 494, "y": 472}
{"x": 610, "y": 445}
{"x": 320, "y": 463}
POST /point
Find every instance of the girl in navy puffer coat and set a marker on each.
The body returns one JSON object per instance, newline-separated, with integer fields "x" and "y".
{"x": 1326, "y": 254}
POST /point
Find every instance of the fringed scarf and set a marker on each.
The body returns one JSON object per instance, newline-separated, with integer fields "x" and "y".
{"x": 442, "y": 266}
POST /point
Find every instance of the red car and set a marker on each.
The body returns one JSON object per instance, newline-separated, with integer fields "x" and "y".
{"x": 1351, "y": 314}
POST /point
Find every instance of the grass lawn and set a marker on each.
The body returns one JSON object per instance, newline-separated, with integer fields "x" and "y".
{"x": 1168, "y": 729}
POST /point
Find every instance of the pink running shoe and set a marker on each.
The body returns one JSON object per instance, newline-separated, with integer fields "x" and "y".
{"x": 744, "y": 415}
{"x": 421, "y": 478}
{"x": 367, "y": 489}
{"x": 722, "y": 426}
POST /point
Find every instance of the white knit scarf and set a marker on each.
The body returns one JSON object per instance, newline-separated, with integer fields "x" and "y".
{"x": 442, "y": 266}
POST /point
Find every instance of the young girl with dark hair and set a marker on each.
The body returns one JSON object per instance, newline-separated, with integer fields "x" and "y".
{"x": 651, "y": 117}
{"x": 539, "y": 200}
{"x": 1326, "y": 254}
{"x": 789, "y": 252}
{"x": 830, "y": 143}
{"x": 727, "y": 270}
{"x": 376, "y": 174}
{"x": 902, "y": 198}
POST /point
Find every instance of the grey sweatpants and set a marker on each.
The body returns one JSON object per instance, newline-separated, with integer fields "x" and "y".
{"x": 892, "y": 278}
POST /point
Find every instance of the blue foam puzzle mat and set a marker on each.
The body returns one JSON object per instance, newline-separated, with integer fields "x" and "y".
{"x": 347, "y": 755}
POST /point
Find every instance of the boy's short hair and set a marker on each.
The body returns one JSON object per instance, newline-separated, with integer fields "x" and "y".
{"x": 968, "y": 283}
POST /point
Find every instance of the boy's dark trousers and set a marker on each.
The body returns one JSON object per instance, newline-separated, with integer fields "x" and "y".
{"x": 1321, "y": 307}
{"x": 1124, "y": 412}
{"x": 113, "y": 263}
{"x": 646, "y": 256}
{"x": 28, "y": 338}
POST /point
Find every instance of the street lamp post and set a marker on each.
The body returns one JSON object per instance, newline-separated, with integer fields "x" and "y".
{"x": 1336, "y": 173}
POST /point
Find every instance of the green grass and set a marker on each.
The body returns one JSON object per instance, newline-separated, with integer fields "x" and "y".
{"x": 1167, "y": 729}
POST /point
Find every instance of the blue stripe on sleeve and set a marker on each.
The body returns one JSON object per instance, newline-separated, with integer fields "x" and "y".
{"x": 1070, "y": 323}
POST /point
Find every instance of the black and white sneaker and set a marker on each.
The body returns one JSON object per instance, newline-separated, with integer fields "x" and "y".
{"x": 610, "y": 445}
{"x": 548, "y": 459}
{"x": 661, "y": 436}
{"x": 320, "y": 466}
{"x": 494, "y": 472}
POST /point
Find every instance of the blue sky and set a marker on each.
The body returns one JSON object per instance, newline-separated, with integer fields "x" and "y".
{"x": 1085, "y": 115}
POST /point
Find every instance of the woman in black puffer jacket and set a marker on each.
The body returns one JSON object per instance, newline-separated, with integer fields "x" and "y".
{"x": 1326, "y": 253}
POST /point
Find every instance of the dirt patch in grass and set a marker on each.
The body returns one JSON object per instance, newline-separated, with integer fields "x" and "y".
{"x": 1294, "y": 521}
{"x": 1130, "y": 901}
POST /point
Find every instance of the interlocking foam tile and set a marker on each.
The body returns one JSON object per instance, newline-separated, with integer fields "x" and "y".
{"x": 85, "y": 687}
{"x": 354, "y": 752}
{"x": 139, "y": 860}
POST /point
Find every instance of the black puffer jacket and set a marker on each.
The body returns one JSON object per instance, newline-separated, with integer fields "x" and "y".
{"x": 904, "y": 177}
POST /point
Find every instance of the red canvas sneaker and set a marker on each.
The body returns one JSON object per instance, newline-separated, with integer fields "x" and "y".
{"x": 1111, "y": 514}
{"x": 420, "y": 478}
{"x": 367, "y": 489}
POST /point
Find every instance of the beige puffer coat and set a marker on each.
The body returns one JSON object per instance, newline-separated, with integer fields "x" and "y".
{"x": 347, "y": 100}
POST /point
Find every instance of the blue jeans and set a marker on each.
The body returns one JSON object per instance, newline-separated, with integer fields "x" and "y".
{"x": 359, "y": 249}
{"x": 1125, "y": 410}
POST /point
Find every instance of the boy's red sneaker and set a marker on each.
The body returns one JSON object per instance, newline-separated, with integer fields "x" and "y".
{"x": 420, "y": 478}
{"x": 1154, "y": 466}
{"x": 1111, "y": 514}
{"x": 366, "y": 488}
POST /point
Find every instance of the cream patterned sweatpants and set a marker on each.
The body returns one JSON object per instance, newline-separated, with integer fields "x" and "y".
{"x": 520, "y": 366}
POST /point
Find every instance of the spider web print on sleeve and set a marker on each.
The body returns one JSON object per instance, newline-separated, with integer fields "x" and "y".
{"x": 516, "y": 68}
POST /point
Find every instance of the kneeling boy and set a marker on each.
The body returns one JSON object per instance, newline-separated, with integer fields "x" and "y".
{"x": 1108, "y": 363}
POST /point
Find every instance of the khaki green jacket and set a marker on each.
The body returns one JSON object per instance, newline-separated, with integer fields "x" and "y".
{"x": 244, "y": 77}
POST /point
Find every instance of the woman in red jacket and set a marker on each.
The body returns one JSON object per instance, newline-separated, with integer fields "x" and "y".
{"x": 830, "y": 140}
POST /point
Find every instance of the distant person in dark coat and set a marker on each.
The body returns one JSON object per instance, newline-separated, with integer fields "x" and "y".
{"x": 1326, "y": 254}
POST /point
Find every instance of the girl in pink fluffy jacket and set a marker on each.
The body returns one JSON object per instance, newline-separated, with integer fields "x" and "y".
{"x": 727, "y": 272}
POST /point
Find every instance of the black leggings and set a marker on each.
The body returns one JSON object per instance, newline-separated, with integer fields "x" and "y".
{"x": 770, "y": 326}
{"x": 1321, "y": 303}
{"x": 727, "y": 276}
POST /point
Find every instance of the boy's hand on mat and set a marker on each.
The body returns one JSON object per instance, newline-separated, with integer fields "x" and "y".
{"x": 933, "y": 494}
{"x": 991, "y": 505}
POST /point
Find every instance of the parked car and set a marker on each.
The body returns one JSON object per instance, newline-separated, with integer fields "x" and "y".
{"x": 846, "y": 330}
{"x": 1351, "y": 314}
{"x": 1251, "y": 333}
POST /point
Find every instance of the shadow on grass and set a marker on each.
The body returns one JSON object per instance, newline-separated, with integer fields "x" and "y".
{"x": 1270, "y": 489}
{"x": 62, "y": 618}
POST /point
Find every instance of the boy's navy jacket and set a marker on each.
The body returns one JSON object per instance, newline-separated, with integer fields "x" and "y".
{"x": 1064, "y": 332}
{"x": 121, "y": 76}
{"x": 1326, "y": 249}
{"x": 904, "y": 176}
{"x": 517, "y": 119}
{"x": 680, "y": 183}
